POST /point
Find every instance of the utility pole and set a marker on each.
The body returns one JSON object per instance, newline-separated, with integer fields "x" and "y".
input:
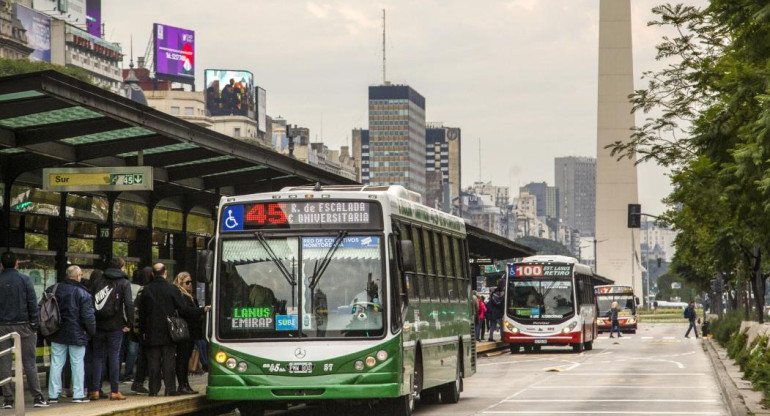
{"x": 384, "y": 61}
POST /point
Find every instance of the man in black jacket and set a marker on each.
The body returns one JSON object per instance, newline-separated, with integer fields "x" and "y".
{"x": 114, "y": 305}
{"x": 160, "y": 299}
{"x": 78, "y": 325}
{"x": 18, "y": 313}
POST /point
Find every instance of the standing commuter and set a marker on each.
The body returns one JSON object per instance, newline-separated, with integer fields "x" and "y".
{"x": 78, "y": 325}
{"x": 142, "y": 278}
{"x": 692, "y": 316}
{"x": 495, "y": 312}
{"x": 114, "y": 307}
{"x": 194, "y": 317}
{"x": 615, "y": 324}
{"x": 481, "y": 318}
{"x": 18, "y": 313}
{"x": 475, "y": 313}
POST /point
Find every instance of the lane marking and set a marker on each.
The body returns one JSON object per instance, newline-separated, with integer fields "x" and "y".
{"x": 648, "y": 337}
{"x": 514, "y": 362}
{"x": 611, "y": 400}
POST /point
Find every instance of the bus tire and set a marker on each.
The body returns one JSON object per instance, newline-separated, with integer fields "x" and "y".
{"x": 588, "y": 346}
{"x": 402, "y": 406}
{"x": 515, "y": 348}
{"x": 527, "y": 348}
{"x": 536, "y": 348}
{"x": 251, "y": 409}
{"x": 450, "y": 392}
{"x": 429, "y": 396}
{"x": 577, "y": 347}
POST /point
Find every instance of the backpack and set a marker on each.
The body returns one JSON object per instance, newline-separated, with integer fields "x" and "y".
{"x": 50, "y": 319}
{"x": 687, "y": 312}
{"x": 107, "y": 301}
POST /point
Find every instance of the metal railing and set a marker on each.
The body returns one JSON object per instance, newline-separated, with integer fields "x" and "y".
{"x": 17, "y": 371}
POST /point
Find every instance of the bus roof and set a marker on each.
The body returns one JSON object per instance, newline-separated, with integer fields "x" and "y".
{"x": 550, "y": 259}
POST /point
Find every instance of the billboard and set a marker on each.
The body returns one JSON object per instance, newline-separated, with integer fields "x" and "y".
{"x": 261, "y": 110}
{"x": 94, "y": 17}
{"x": 38, "y": 27}
{"x": 174, "y": 53}
{"x": 229, "y": 92}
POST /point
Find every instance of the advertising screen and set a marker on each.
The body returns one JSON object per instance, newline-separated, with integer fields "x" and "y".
{"x": 174, "y": 52}
{"x": 94, "y": 17}
{"x": 261, "y": 109}
{"x": 229, "y": 93}
{"x": 38, "y": 28}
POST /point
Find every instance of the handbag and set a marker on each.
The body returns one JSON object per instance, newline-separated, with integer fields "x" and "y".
{"x": 177, "y": 328}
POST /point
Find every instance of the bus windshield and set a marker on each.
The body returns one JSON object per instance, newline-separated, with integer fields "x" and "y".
{"x": 540, "y": 299}
{"x": 625, "y": 304}
{"x": 310, "y": 287}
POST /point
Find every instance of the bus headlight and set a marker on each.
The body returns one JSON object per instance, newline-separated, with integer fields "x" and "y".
{"x": 359, "y": 365}
{"x": 631, "y": 321}
{"x": 220, "y": 357}
{"x": 242, "y": 367}
{"x": 569, "y": 328}
{"x": 382, "y": 355}
{"x": 370, "y": 361}
{"x": 507, "y": 325}
{"x": 230, "y": 363}
{"x": 599, "y": 321}
{"x": 514, "y": 330}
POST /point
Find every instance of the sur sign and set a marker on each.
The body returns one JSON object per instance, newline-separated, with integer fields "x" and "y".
{"x": 134, "y": 178}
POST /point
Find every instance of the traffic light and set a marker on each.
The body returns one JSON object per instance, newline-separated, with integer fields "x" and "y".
{"x": 659, "y": 261}
{"x": 634, "y": 216}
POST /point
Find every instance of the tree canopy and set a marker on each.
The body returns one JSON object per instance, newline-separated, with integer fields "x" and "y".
{"x": 23, "y": 66}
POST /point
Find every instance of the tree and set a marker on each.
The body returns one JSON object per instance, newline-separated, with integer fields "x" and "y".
{"x": 20, "y": 66}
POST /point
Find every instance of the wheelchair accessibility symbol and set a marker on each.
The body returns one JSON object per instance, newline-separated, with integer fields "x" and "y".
{"x": 233, "y": 218}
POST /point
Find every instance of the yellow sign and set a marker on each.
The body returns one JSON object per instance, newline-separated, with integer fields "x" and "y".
{"x": 119, "y": 178}
{"x": 64, "y": 179}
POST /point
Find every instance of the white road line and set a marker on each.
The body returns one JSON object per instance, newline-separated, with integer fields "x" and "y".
{"x": 591, "y": 412}
{"x": 610, "y": 400}
{"x": 602, "y": 386}
{"x": 631, "y": 374}
{"x": 513, "y": 362}
{"x": 669, "y": 337}
{"x": 648, "y": 337}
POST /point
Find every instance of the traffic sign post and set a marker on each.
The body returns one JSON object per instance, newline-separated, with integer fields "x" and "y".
{"x": 134, "y": 178}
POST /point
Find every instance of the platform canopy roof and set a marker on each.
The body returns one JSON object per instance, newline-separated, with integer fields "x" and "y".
{"x": 482, "y": 243}
{"x": 48, "y": 119}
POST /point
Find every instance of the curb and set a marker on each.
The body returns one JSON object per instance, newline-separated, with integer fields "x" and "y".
{"x": 736, "y": 405}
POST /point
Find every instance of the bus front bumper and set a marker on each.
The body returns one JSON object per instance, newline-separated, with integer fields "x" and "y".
{"x": 557, "y": 339}
{"x": 326, "y": 387}
{"x": 605, "y": 325}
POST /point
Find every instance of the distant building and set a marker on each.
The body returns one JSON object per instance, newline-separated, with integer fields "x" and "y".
{"x": 14, "y": 39}
{"x": 576, "y": 182}
{"x": 486, "y": 206}
{"x": 660, "y": 239}
{"x": 361, "y": 154}
{"x": 442, "y": 155}
{"x": 74, "y": 47}
{"x": 397, "y": 137}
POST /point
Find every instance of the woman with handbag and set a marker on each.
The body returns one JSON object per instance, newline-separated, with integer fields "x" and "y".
{"x": 194, "y": 318}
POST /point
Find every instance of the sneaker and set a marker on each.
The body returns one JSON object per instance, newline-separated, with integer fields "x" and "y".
{"x": 139, "y": 389}
{"x": 53, "y": 399}
{"x": 41, "y": 402}
{"x": 7, "y": 404}
{"x": 117, "y": 396}
{"x": 81, "y": 400}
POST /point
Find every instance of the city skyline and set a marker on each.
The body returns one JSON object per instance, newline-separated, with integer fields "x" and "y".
{"x": 506, "y": 78}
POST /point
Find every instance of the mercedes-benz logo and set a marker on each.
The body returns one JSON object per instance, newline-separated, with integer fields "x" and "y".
{"x": 300, "y": 353}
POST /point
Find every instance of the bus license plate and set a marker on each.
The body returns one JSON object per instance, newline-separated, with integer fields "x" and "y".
{"x": 300, "y": 368}
{"x": 541, "y": 341}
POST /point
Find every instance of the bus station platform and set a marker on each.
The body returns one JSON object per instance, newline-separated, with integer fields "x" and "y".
{"x": 142, "y": 405}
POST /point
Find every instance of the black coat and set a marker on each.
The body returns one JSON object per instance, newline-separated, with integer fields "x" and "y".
{"x": 76, "y": 310}
{"x": 494, "y": 308}
{"x": 18, "y": 303}
{"x": 159, "y": 300}
{"x": 123, "y": 286}
{"x": 193, "y": 314}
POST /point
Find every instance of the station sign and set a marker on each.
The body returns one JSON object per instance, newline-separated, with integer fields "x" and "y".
{"x": 133, "y": 178}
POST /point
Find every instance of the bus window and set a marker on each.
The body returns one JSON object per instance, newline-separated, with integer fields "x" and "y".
{"x": 419, "y": 249}
{"x": 441, "y": 280}
{"x": 430, "y": 280}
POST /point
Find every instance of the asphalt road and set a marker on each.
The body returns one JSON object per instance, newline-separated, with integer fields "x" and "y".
{"x": 653, "y": 372}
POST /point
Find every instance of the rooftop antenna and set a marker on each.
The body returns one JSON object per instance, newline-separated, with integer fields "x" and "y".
{"x": 384, "y": 61}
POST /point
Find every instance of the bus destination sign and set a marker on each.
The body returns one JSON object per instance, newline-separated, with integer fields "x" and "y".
{"x": 301, "y": 214}
{"x": 614, "y": 290}
{"x": 539, "y": 270}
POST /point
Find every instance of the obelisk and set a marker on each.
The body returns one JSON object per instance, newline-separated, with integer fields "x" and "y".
{"x": 617, "y": 246}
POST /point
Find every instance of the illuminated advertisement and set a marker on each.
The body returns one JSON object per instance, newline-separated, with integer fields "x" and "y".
{"x": 38, "y": 27}
{"x": 261, "y": 109}
{"x": 94, "y": 17}
{"x": 174, "y": 52}
{"x": 229, "y": 93}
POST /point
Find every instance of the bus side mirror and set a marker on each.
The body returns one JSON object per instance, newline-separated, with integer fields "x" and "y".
{"x": 408, "y": 262}
{"x": 205, "y": 266}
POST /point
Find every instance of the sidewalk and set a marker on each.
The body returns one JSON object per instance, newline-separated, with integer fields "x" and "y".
{"x": 740, "y": 398}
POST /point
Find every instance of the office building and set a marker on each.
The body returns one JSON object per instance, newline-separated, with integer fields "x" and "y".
{"x": 576, "y": 183}
{"x": 442, "y": 155}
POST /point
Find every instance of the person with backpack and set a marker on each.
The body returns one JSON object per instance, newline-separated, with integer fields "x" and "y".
{"x": 18, "y": 313}
{"x": 692, "y": 316}
{"x": 495, "y": 312}
{"x": 114, "y": 306}
{"x": 77, "y": 324}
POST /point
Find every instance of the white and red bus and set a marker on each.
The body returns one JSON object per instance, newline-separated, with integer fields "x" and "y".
{"x": 627, "y": 302}
{"x": 549, "y": 300}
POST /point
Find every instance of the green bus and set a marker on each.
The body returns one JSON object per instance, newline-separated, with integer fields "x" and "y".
{"x": 338, "y": 293}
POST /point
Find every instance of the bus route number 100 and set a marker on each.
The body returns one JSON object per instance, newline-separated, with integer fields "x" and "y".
{"x": 529, "y": 270}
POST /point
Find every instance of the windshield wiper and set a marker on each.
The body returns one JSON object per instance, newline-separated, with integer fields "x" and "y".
{"x": 284, "y": 271}
{"x": 319, "y": 270}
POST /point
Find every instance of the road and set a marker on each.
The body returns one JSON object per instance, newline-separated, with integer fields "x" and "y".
{"x": 653, "y": 372}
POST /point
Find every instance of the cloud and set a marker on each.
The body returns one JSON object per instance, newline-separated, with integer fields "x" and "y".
{"x": 320, "y": 11}
{"x": 528, "y": 5}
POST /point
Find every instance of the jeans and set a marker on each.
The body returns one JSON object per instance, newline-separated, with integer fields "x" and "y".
{"x": 132, "y": 352}
{"x": 692, "y": 327}
{"x": 59, "y": 354}
{"x": 203, "y": 349}
{"x": 107, "y": 344}
{"x": 615, "y": 326}
{"x": 28, "y": 350}
{"x": 155, "y": 356}
{"x": 477, "y": 328}
{"x": 493, "y": 324}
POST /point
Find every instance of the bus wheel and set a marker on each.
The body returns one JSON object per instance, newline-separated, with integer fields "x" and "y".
{"x": 402, "y": 406}
{"x": 450, "y": 392}
{"x": 527, "y": 348}
{"x": 536, "y": 348}
{"x": 589, "y": 345}
{"x": 515, "y": 348}
{"x": 577, "y": 347}
{"x": 429, "y": 396}
{"x": 251, "y": 409}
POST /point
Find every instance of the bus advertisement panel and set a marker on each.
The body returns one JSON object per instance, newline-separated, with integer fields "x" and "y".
{"x": 624, "y": 296}
{"x": 549, "y": 301}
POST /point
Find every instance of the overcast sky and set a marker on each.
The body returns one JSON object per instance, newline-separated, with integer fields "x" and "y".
{"x": 517, "y": 76}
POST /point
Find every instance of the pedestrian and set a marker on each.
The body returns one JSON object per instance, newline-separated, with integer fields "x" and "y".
{"x": 142, "y": 278}
{"x": 130, "y": 338}
{"x": 615, "y": 324}
{"x": 475, "y": 313}
{"x": 194, "y": 317}
{"x": 114, "y": 308}
{"x": 692, "y": 316}
{"x": 481, "y": 317}
{"x": 77, "y": 326}
{"x": 95, "y": 275}
{"x": 495, "y": 312}
{"x": 18, "y": 313}
{"x": 160, "y": 300}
